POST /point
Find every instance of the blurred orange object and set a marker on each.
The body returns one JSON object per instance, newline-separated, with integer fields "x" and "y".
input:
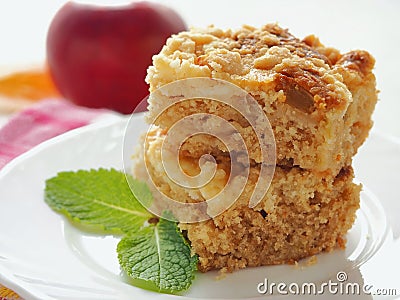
{"x": 6, "y": 294}
{"x": 29, "y": 85}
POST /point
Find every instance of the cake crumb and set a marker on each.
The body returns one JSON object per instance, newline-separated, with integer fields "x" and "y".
{"x": 296, "y": 264}
{"x": 305, "y": 263}
{"x": 222, "y": 273}
{"x": 312, "y": 261}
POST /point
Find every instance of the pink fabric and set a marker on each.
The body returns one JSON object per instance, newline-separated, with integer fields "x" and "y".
{"x": 40, "y": 122}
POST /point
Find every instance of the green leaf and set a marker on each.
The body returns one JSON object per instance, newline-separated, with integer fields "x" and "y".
{"x": 98, "y": 199}
{"x": 155, "y": 256}
{"x": 141, "y": 191}
{"x": 158, "y": 258}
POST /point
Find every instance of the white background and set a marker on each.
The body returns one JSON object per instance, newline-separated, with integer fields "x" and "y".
{"x": 344, "y": 24}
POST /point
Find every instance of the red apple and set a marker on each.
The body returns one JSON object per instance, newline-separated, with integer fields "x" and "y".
{"x": 98, "y": 55}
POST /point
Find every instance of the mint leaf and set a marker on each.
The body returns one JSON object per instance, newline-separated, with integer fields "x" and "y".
{"x": 155, "y": 256}
{"x": 158, "y": 258}
{"x": 100, "y": 199}
{"x": 141, "y": 191}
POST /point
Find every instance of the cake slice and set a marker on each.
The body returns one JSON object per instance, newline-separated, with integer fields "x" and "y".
{"x": 318, "y": 101}
{"x": 319, "y": 104}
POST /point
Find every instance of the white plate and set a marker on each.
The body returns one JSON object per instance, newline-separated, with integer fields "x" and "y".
{"x": 42, "y": 256}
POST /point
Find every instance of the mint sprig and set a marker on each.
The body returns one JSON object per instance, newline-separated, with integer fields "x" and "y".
{"x": 154, "y": 254}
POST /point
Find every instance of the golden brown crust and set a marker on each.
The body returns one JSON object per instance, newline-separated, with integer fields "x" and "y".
{"x": 304, "y": 89}
{"x": 269, "y": 53}
{"x": 330, "y": 53}
{"x": 358, "y": 60}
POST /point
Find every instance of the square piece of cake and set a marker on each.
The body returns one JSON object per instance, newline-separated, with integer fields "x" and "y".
{"x": 319, "y": 104}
